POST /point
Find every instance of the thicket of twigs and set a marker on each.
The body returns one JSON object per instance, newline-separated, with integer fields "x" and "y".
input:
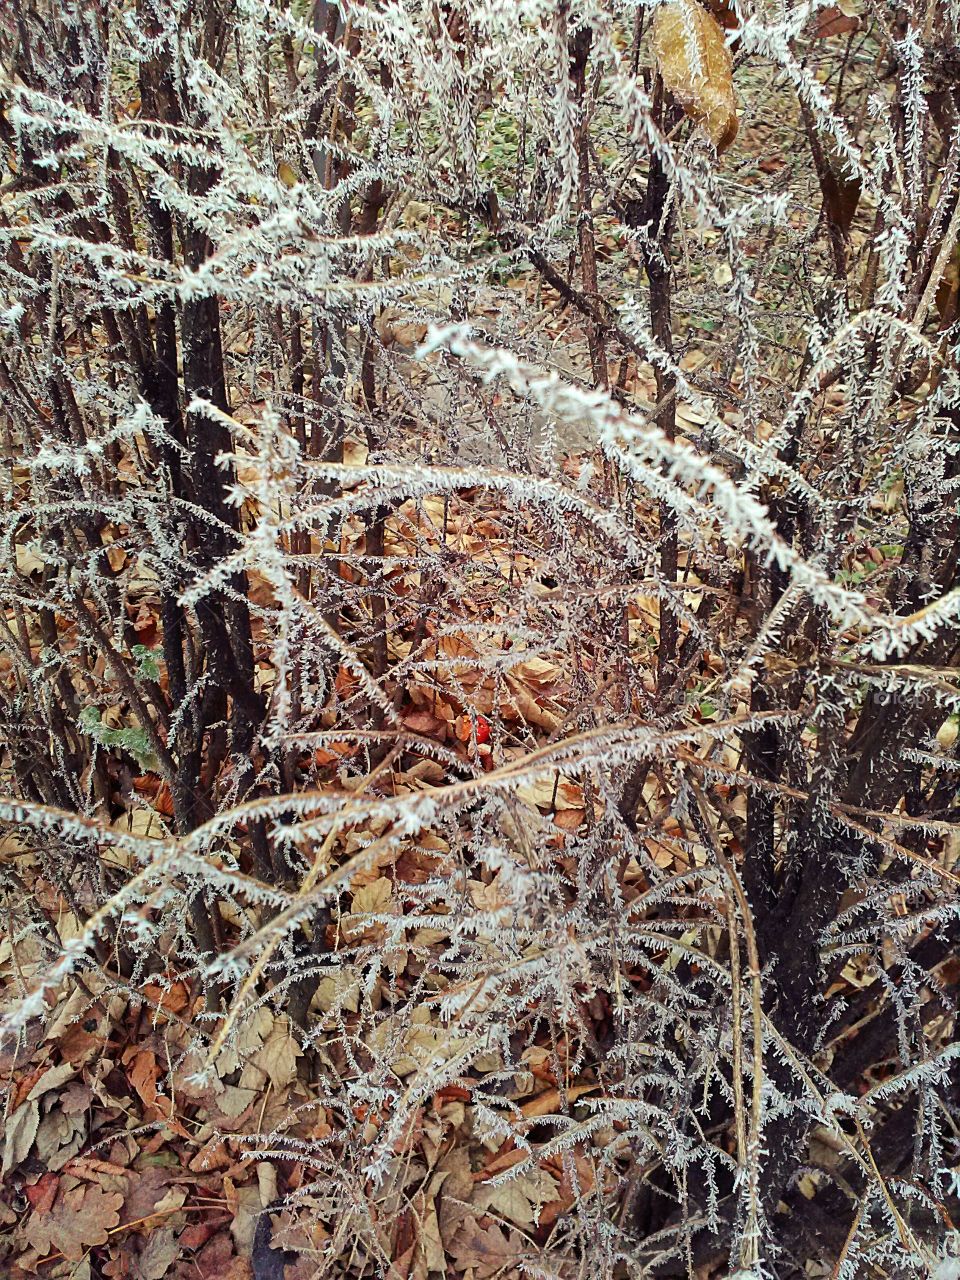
{"x": 478, "y": 648}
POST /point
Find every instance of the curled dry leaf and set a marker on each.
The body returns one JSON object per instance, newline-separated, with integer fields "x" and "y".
{"x": 551, "y": 1102}
{"x": 695, "y": 65}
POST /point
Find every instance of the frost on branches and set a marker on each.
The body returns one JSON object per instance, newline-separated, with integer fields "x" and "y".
{"x": 479, "y": 641}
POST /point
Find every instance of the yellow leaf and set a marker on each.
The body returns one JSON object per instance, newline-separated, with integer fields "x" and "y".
{"x": 695, "y": 65}
{"x": 375, "y": 897}
{"x": 947, "y": 733}
{"x": 27, "y": 561}
{"x": 277, "y": 1060}
{"x": 341, "y": 991}
{"x": 287, "y": 174}
{"x": 519, "y": 1199}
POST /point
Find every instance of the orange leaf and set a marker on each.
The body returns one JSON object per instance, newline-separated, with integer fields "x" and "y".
{"x": 832, "y": 21}
{"x": 163, "y": 802}
{"x": 569, "y": 819}
{"x": 549, "y": 1102}
{"x": 173, "y": 999}
{"x": 143, "y": 1076}
{"x": 425, "y": 723}
{"x": 43, "y": 1192}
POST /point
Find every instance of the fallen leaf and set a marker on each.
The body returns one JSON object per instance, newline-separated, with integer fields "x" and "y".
{"x": 418, "y": 1045}
{"x": 143, "y": 1076}
{"x": 340, "y": 991}
{"x": 486, "y": 1251}
{"x": 173, "y": 998}
{"x": 548, "y": 1103}
{"x": 234, "y": 1100}
{"x": 251, "y": 1036}
{"x": 43, "y": 1193}
{"x": 373, "y": 897}
{"x": 552, "y": 793}
{"x": 425, "y": 723}
{"x": 144, "y": 1192}
{"x": 59, "y": 1138}
{"x": 21, "y": 1129}
{"x": 832, "y": 21}
{"x": 246, "y": 1212}
{"x": 569, "y": 819}
{"x": 81, "y": 1218}
{"x": 529, "y": 709}
{"x": 27, "y": 561}
{"x": 76, "y": 1098}
{"x": 519, "y": 1198}
{"x": 52, "y": 1079}
{"x": 537, "y": 671}
{"x": 278, "y": 1057}
{"x": 218, "y": 1261}
{"x": 489, "y": 897}
{"x": 159, "y": 1254}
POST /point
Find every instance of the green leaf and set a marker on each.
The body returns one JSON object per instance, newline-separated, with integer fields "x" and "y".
{"x": 147, "y": 665}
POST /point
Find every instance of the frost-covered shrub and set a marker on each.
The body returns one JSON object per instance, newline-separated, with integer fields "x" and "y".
{"x": 479, "y": 579}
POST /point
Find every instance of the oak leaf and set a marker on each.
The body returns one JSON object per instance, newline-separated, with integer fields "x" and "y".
{"x": 487, "y": 1252}
{"x": 518, "y": 1199}
{"x": 82, "y": 1217}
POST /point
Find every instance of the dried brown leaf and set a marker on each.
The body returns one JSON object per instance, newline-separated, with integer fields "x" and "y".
{"x": 518, "y": 1199}
{"x": 80, "y": 1218}
{"x": 21, "y": 1129}
{"x": 278, "y": 1057}
{"x": 832, "y": 21}
{"x": 550, "y": 1102}
{"x": 159, "y": 1254}
{"x": 487, "y": 1251}
{"x": 695, "y": 65}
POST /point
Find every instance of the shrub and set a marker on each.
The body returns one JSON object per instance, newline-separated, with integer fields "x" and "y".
{"x": 479, "y": 576}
